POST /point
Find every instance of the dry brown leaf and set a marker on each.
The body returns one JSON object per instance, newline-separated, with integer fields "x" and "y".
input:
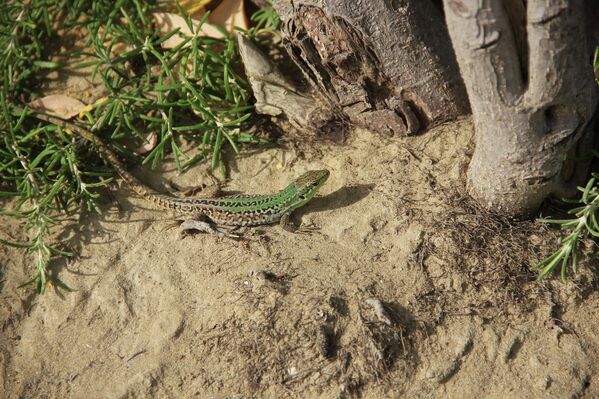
{"x": 59, "y": 105}
{"x": 167, "y": 22}
{"x": 150, "y": 141}
{"x": 228, "y": 14}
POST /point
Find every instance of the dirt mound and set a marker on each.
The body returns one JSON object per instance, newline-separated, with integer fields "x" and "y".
{"x": 406, "y": 288}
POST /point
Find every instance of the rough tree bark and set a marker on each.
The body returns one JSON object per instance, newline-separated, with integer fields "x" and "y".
{"x": 531, "y": 104}
{"x": 386, "y": 65}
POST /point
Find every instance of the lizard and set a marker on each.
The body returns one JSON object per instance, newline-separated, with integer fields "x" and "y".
{"x": 227, "y": 211}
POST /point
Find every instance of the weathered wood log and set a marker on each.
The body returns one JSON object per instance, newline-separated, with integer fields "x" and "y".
{"x": 379, "y": 64}
{"x": 277, "y": 95}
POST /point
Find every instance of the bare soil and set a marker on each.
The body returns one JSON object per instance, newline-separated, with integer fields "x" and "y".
{"x": 283, "y": 315}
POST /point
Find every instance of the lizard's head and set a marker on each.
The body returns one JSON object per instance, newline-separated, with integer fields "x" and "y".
{"x": 308, "y": 184}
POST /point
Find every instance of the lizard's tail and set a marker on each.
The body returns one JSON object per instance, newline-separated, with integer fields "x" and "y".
{"x": 105, "y": 151}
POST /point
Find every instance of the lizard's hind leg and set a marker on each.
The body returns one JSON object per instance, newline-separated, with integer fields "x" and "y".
{"x": 213, "y": 190}
{"x": 206, "y": 227}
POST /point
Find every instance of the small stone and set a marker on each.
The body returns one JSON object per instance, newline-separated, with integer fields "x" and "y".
{"x": 534, "y": 362}
{"x": 443, "y": 371}
{"x": 491, "y": 343}
{"x": 544, "y": 383}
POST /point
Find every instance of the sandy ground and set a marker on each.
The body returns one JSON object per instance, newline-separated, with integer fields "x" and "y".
{"x": 284, "y": 315}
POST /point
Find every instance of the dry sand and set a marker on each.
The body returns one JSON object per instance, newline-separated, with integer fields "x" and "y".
{"x": 284, "y": 315}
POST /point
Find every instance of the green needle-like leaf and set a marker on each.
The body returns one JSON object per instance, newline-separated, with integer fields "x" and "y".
{"x": 51, "y": 170}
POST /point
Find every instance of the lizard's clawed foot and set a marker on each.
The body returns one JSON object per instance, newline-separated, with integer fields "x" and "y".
{"x": 292, "y": 228}
{"x": 171, "y": 225}
{"x": 308, "y": 230}
{"x": 205, "y": 227}
{"x": 289, "y": 226}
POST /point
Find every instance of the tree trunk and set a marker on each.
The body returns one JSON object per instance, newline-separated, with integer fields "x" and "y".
{"x": 383, "y": 65}
{"x": 531, "y": 104}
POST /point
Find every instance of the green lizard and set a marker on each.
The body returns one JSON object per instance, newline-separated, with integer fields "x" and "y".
{"x": 229, "y": 211}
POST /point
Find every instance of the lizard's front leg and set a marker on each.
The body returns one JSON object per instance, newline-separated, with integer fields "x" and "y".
{"x": 287, "y": 225}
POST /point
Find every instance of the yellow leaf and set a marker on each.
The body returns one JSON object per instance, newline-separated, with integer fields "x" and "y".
{"x": 197, "y": 8}
{"x": 87, "y": 108}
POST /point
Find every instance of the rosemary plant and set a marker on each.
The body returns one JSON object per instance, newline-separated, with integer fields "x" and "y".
{"x": 265, "y": 19}
{"x": 582, "y": 224}
{"x": 190, "y": 96}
